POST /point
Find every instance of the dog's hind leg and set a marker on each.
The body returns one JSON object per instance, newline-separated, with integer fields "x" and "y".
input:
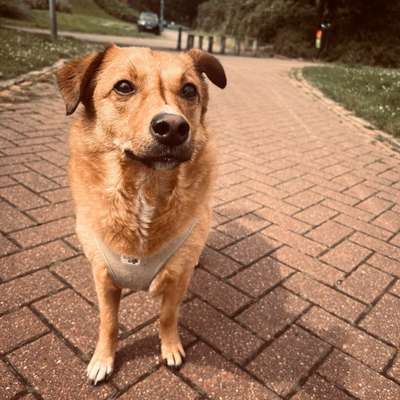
{"x": 102, "y": 363}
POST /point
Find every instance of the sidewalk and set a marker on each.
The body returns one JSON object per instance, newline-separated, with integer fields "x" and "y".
{"x": 298, "y": 292}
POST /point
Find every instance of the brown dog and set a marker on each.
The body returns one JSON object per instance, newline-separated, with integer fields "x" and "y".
{"x": 141, "y": 172}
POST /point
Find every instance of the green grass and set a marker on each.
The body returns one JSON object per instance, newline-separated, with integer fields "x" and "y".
{"x": 21, "y": 52}
{"x": 86, "y": 17}
{"x": 370, "y": 92}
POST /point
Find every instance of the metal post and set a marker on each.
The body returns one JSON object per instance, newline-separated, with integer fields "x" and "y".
{"x": 237, "y": 46}
{"x": 210, "y": 44}
{"x": 179, "y": 45}
{"x": 161, "y": 15}
{"x": 53, "y": 18}
{"x": 190, "y": 41}
{"x": 223, "y": 39}
{"x": 201, "y": 42}
{"x": 255, "y": 47}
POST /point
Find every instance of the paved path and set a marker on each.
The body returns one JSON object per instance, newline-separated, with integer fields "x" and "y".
{"x": 167, "y": 41}
{"x": 298, "y": 292}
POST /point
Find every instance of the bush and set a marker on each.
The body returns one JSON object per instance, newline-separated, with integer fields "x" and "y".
{"x": 16, "y": 9}
{"x": 118, "y": 10}
{"x": 61, "y": 5}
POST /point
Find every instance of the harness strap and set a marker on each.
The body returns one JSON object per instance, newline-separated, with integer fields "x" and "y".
{"x": 137, "y": 274}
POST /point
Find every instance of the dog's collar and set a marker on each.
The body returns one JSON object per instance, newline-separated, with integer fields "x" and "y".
{"x": 137, "y": 274}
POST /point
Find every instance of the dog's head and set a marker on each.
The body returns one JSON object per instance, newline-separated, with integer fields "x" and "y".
{"x": 149, "y": 104}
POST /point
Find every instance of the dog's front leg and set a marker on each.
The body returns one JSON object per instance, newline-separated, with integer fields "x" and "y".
{"x": 171, "y": 345}
{"x": 102, "y": 363}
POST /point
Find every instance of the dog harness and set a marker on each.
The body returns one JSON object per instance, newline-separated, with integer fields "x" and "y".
{"x": 137, "y": 274}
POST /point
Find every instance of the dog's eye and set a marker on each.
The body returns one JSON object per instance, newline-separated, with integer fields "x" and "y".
{"x": 189, "y": 91}
{"x": 124, "y": 87}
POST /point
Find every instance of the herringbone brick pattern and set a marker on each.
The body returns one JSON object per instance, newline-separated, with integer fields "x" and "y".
{"x": 298, "y": 292}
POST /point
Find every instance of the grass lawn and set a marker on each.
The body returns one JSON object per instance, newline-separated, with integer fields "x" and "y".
{"x": 370, "y": 92}
{"x": 86, "y": 17}
{"x": 21, "y": 52}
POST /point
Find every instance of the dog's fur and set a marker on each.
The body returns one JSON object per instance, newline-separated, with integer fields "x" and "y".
{"x": 132, "y": 207}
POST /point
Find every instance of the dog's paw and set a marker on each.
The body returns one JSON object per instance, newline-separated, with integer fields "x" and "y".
{"x": 99, "y": 369}
{"x": 173, "y": 354}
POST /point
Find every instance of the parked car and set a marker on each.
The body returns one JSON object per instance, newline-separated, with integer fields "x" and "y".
{"x": 148, "y": 22}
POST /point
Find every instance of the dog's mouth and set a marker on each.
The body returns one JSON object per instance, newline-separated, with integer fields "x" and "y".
{"x": 166, "y": 161}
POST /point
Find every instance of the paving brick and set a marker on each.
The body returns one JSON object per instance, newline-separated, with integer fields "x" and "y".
{"x": 394, "y": 371}
{"x": 273, "y": 313}
{"x": 308, "y": 265}
{"x": 19, "y": 327}
{"x": 35, "y": 182}
{"x": 396, "y": 240}
{"x": 348, "y": 210}
{"x": 46, "y": 168}
{"x": 383, "y": 320}
{"x": 261, "y": 276}
{"x": 30, "y": 260}
{"x": 233, "y": 192}
{"x": 217, "y": 293}
{"x": 213, "y": 326}
{"x": 300, "y": 242}
{"x": 6, "y": 246}
{"x": 376, "y": 245}
{"x": 288, "y": 359}
{"x": 161, "y": 385}
{"x": 346, "y": 256}
{"x": 26, "y": 289}
{"x": 58, "y": 195}
{"x": 138, "y": 308}
{"x": 334, "y": 195}
{"x": 329, "y": 233}
{"x": 21, "y": 197}
{"x": 366, "y": 283}
{"x": 347, "y": 338}
{"x": 45, "y": 232}
{"x": 385, "y": 264}
{"x": 55, "y": 371}
{"x": 283, "y": 220}
{"x": 360, "y": 191}
{"x": 9, "y": 383}
{"x": 374, "y": 205}
{"x": 52, "y": 212}
{"x": 364, "y": 227}
{"x": 388, "y": 220}
{"x": 78, "y": 273}
{"x": 251, "y": 248}
{"x": 237, "y": 208}
{"x": 273, "y": 203}
{"x": 316, "y": 388}
{"x": 316, "y": 215}
{"x": 221, "y": 379}
{"x": 329, "y": 299}
{"x": 219, "y": 240}
{"x": 395, "y": 289}
{"x": 73, "y": 317}
{"x": 361, "y": 381}
{"x": 12, "y": 219}
{"x": 243, "y": 226}
{"x": 295, "y": 186}
{"x": 218, "y": 263}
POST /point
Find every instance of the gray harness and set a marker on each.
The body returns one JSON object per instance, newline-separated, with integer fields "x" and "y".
{"x": 137, "y": 274}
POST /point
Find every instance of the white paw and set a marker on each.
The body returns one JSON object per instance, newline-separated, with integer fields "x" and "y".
{"x": 173, "y": 354}
{"x": 99, "y": 369}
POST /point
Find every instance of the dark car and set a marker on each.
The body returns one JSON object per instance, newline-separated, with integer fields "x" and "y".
{"x": 148, "y": 22}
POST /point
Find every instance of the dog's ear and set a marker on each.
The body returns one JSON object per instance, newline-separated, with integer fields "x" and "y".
{"x": 207, "y": 63}
{"x": 74, "y": 80}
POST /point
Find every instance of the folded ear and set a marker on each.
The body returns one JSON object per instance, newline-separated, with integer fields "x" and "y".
{"x": 207, "y": 63}
{"x": 75, "y": 80}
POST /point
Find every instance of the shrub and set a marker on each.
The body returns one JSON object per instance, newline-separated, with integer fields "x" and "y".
{"x": 16, "y": 9}
{"x": 61, "y": 5}
{"x": 118, "y": 10}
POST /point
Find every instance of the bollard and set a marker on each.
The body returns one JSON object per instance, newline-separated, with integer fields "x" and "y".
{"x": 237, "y": 46}
{"x": 210, "y": 44}
{"x": 179, "y": 44}
{"x": 201, "y": 42}
{"x": 190, "y": 41}
{"x": 223, "y": 40}
{"x": 255, "y": 47}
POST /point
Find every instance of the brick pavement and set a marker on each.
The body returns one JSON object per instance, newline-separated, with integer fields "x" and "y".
{"x": 298, "y": 292}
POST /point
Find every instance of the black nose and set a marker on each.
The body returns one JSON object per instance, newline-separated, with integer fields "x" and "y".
{"x": 169, "y": 129}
